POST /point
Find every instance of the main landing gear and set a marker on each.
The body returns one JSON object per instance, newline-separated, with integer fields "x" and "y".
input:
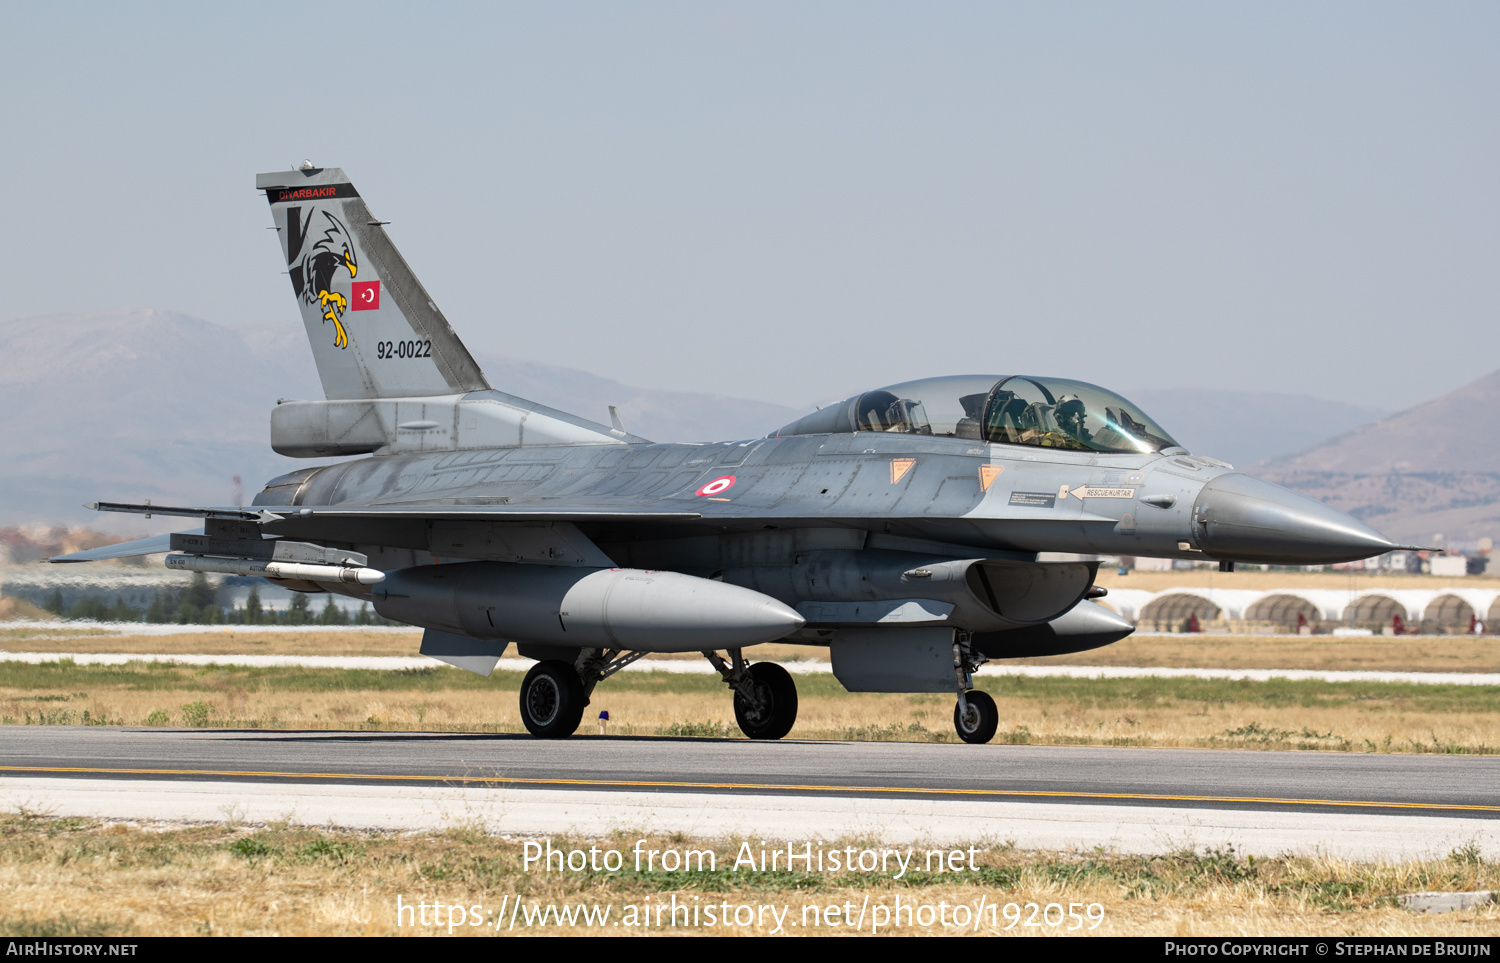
{"x": 555, "y": 693}
{"x": 552, "y": 700}
{"x": 975, "y": 716}
{"x": 765, "y": 697}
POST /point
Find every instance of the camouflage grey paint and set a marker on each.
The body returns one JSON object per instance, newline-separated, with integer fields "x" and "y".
{"x": 821, "y": 482}
{"x": 809, "y": 519}
{"x": 843, "y": 532}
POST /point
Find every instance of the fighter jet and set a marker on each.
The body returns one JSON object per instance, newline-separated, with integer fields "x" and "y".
{"x": 901, "y": 527}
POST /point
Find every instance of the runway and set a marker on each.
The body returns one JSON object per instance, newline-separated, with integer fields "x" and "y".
{"x": 1132, "y": 800}
{"x": 1305, "y": 781}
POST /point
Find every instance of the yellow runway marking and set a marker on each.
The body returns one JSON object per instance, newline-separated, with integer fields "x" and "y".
{"x": 752, "y": 787}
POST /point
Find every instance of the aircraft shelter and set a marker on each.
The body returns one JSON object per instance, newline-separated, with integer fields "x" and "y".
{"x": 1442, "y": 611}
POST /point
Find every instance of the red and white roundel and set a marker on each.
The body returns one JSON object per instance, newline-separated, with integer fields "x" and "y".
{"x": 718, "y": 485}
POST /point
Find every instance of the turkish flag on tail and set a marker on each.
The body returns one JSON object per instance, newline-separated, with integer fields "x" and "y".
{"x": 365, "y": 296}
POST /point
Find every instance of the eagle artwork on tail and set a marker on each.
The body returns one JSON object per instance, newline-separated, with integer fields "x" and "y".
{"x": 312, "y": 274}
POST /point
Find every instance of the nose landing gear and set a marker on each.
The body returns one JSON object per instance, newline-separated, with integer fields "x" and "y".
{"x": 975, "y": 717}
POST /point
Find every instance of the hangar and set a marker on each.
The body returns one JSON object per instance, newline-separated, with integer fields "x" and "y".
{"x": 1445, "y": 611}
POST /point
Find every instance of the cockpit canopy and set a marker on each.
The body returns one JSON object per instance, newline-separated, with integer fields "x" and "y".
{"x": 1015, "y": 410}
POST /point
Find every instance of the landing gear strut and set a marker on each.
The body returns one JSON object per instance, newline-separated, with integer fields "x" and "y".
{"x": 765, "y": 697}
{"x": 975, "y": 716}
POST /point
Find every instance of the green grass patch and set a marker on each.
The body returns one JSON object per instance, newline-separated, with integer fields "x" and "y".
{"x": 65, "y": 680}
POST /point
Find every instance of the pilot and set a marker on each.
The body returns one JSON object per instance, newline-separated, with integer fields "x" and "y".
{"x": 1071, "y": 413}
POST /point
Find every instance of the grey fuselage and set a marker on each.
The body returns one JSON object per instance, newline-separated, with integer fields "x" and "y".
{"x": 843, "y": 481}
{"x": 793, "y": 497}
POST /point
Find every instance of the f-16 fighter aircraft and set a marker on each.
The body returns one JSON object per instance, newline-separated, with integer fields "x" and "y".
{"x": 900, "y": 527}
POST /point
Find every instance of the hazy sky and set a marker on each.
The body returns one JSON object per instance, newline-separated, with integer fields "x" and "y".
{"x": 793, "y": 201}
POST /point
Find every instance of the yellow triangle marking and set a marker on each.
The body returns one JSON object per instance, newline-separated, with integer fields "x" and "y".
{"x": 899, "y": 468}
{"x": 988, "y": 474}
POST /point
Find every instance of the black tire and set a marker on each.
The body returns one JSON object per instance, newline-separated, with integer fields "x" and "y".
{"x": 552, "y": 700}
{"x": 778, "y": 692}
{"x": 983, "y": 720}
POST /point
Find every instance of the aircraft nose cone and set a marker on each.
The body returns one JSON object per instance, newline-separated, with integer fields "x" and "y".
{"x": 1248, "y": 520}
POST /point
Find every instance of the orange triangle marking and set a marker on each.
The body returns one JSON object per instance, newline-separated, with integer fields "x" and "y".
{"x": 899, "y": 468}
{"x": 988, "y": 474}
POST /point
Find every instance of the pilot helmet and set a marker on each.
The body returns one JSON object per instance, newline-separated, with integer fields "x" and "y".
{"x": 1069, "y": 405}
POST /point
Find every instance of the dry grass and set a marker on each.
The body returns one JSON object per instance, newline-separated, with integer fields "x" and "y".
{"x": 66, "y": 637}
{"x": 868, "y": 717}
{"x": 1448, "y": 653}
{"x": 71, "y": 877}
{"x": 60, "y": 637}
{"x": 1369, "y": 717}
{"x": 1395, "y": 654}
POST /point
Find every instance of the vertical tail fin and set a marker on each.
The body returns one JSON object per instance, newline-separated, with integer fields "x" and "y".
{"x": 375, "y": 332}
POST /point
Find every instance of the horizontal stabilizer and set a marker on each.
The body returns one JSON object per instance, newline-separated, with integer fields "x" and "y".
{"x": 155, "y": 545}
{"x": 507, "y": 513}
{"x": 149, "y": 510}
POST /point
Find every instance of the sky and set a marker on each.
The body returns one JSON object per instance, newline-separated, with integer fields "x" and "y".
{"x": 795, "y": 201}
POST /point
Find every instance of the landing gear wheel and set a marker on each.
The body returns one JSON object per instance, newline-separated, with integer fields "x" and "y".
{"x": 776, "y": 694}
{"x": 980, "y": 722}
{"x": 552, "y": 700}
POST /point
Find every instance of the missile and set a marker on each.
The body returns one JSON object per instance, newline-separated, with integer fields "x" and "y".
{"x": 609, "y": 607}
{"x": 304, "y": 571}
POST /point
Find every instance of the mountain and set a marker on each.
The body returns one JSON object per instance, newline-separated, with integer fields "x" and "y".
{"x": 1245, "y": 427}
{"x": 133, "y": 404}
{"x": 1433, "y": 468}
{"x": 652, "y": 413}
{"x": 136, "y": 403}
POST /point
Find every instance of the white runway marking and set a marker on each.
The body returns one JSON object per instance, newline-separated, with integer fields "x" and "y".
{"x": 535, "y": 812}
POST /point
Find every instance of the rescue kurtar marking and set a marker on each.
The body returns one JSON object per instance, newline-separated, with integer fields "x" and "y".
{"x": 1094, "y": 491}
